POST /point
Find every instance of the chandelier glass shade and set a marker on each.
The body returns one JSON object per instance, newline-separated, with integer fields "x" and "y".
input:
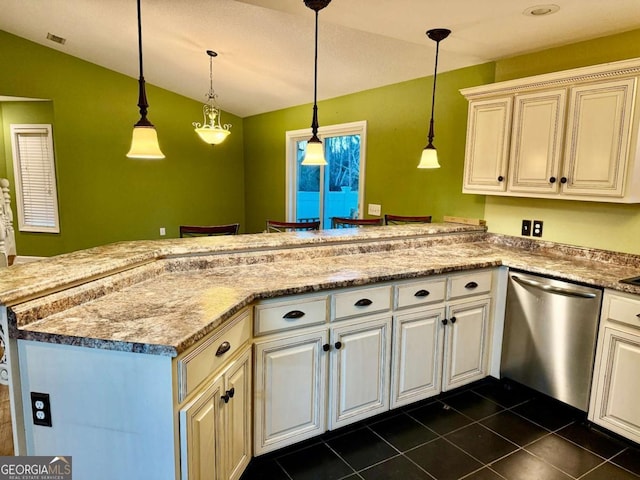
{"x": 211, "y": 131}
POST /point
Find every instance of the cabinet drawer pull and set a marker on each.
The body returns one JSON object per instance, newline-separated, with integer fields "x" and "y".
{"x": 293, "y": 315}
{"x": 223, "y": 348}
{"x": 326, "y": 347}
{"x": 444, "y": 321}
{"x": 552, "y": 180}
{"x": 471, "y": 285}
{"x": 338, "y": 345}
{"x": 563, "y": 180}
{"x": 228, "y": 395}
{"x": 453, "y": 319}
{"x": 421, "y": 293}
{"x": 638, "y": 315}
{"x": 363, "y": 302}
{"x": 500, "y": 178}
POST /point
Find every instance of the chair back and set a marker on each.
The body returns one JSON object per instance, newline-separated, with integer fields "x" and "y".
{"x": 276, "y": 226}
{"x": 196, "y": 230}
{"x": 343, "y": 222}
{"x": 402, "y": 219}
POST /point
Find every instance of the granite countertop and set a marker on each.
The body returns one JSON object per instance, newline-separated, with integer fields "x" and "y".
{"x": 165, "y": 306}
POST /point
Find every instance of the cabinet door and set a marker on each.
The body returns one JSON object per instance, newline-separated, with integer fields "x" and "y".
{"x": 360, "y": 368}
{"x": 598, "y": 136}
{"x": 199, "y": 428}
{"x": 615, "y": 403}
{"x": 465, "y": 343}
{"x": 236, "y": 412}
{"x": 416, "y": 365}
{"x": 487, "y": 149}
{"x": 537, "y": 141}
{"x": 290, "y": 390}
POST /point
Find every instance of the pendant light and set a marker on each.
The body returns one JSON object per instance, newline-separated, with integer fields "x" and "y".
{"x": 429, "y": 158}
{"x": 212, "y": 131}
{"x": 314, "y": 155}
{"x": 144, "y": 142}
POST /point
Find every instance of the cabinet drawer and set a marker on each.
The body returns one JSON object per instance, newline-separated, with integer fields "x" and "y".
{"x": 211, "y": 353}
{"x": 360, "y": 302}
{"x": 424, "y": 292}
{"x": 474, "y": 283}
{"x": 622, "y": 309}
{"x": 288, "y": 314}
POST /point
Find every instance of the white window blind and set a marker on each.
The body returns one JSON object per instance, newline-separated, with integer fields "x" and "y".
{"x": 35, "y": 178}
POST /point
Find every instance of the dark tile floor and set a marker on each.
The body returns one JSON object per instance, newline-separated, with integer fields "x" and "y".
{"x": 486, "y": 431}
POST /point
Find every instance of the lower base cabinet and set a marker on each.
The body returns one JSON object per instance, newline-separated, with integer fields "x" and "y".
{"x": 616, "y": 384}
{"x": 320, "y": 379}
{"x": 215, "y": 426}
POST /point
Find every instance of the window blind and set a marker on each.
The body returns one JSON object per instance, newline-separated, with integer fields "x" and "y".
{"x": 34, "y": 168}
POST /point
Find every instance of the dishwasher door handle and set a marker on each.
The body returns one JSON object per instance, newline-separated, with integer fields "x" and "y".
{"x": 552, "y": 289}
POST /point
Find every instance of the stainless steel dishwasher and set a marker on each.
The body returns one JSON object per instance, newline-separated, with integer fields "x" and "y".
{"x": 550, "y": 336}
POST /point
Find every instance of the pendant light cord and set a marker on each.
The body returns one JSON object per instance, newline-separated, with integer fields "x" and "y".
{"x": 433, "y": 96}
{"x": 140, "y": 39}
{"x": 143, "y": 104}
{"x": 314, "y": 122}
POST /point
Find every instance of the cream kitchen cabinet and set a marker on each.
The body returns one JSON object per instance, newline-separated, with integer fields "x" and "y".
{"x": 616, "y": 384}
{"x": 442, "y": 341}
{"x": 312, "y": 379}
{"x": 573, "y": 136}
{"x": 215, "y": 421}
{"x": 215, "y": 426}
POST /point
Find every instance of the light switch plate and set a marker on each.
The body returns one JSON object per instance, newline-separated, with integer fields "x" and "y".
{"x": 374, "y": 209}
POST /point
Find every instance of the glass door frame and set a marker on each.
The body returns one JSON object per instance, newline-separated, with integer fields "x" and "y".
{"x": 292, "y": 137}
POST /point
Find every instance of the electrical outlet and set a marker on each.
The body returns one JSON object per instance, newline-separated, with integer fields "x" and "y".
{"x": 537, "y": 228}
{"x": 374, "y": 209}
{"x": 526, "y": 228}
{"x": 163, "y": 231}
{"x": 41, "y": 409}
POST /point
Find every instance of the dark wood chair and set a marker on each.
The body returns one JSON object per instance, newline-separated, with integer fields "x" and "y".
{"x": 196, "y": 230}
{"x": 402, "y": 219}
{"x": 276, "y": 226}
{"x": 343, "y": 222}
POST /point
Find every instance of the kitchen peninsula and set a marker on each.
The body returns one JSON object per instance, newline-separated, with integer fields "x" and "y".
{"x": 116, "y": 335}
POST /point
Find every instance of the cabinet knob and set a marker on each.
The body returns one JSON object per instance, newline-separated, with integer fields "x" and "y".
{"x": 471, "y": 285}
{"x": 445, "y": 321}
{"x": 293, "y": 314}
{"x": 228, "y": 395}
{"x": 326, "y": 347}
{"x": 223, "y": 348}
{"x": 421, "y": 293}
{"x": 338, "y": 345}
{"x": 363, "y": 302}
{"x": 500, "y": 178}
{"x": 563, "y": 180}
{"x": 552, "y": 180}
{"x": 453, "y": 319}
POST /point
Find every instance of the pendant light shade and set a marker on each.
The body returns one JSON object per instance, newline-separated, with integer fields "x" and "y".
{"x": 314, "y": 154}
{"x": 429, "y": 158}
{"x": 144, "y": 141}
{"x": 212, "y": 131}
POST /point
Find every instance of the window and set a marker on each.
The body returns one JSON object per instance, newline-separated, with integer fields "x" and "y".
{"x": 35, "y": 178}
{"x": 336, "y": 190}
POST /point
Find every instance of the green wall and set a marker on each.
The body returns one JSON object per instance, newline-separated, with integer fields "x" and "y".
{"x": 397, "y": 125}
{"x": 598, "y": 225}
{"x": 103, "y": 196}
{"x": 3, "y": 154}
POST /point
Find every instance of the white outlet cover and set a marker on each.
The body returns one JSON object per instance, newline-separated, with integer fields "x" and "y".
{"x": 163, "y": 231}
{"x": 374, "y": 209}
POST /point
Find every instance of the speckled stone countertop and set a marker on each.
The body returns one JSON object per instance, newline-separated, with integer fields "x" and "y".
{"x": 165, "y": 301}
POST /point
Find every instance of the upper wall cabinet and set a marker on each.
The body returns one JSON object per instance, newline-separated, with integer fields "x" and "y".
{"x": 569, "y": 135}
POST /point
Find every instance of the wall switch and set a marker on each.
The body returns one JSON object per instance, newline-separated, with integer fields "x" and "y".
{"x": 374, "y": 209}
{"x": 41, "y": 409}
{"x": 537, "y": 228}
{"x": 163, "y": 231}
{"x": 526, "y": 228}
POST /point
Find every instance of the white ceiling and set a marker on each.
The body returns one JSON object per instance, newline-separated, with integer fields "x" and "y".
{"x": 265, "y": 47}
